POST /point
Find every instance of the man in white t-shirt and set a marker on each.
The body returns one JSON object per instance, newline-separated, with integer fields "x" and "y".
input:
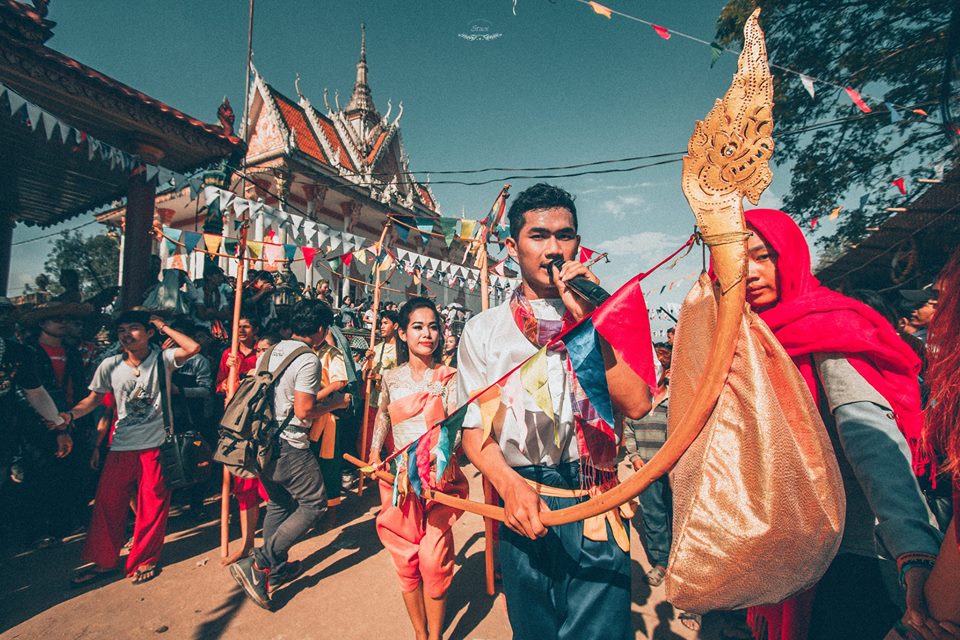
{"x": 558, "y": 583}
{"x": 133, "y": 379}
{"x": 292, "y": 479}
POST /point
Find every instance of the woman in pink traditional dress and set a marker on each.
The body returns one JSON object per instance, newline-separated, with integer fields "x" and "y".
{"x": 417, "y": 532}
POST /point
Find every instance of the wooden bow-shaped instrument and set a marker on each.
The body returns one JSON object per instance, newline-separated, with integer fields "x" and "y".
{"x": 727, "y": 160}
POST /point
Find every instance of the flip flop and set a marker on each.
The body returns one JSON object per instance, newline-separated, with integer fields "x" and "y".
{"x": 88, "y": 576}
{"x": 145, "y": 574}
{"x": 692, "y": 621}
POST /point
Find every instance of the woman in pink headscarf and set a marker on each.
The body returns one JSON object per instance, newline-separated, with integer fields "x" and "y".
{"x": 863, "y": 378}
{"x": 418, "y": 533}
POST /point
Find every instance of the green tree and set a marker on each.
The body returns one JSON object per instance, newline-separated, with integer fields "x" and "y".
{"x": 95, "y": 258}
{"x": 904, "y": 52}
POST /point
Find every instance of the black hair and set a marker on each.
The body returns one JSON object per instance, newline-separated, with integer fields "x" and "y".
{"x": 271, "y": 336}
{"x": 411, "y": 305}
{"x": 133, "y": 316}
{"x": 539, "y": 196}
{"x": 393, "y": 316}
{"x": 310, "y": 316}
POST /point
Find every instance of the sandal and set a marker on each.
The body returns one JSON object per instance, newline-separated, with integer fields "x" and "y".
{"x": 655, "y": 576}
{"x": 146, "y": 573}
{"x": 691, "y": 621}
{"x": 89, "y": 575}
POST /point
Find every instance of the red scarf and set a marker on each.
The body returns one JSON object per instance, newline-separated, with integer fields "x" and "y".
{"x": 809, "y": 319}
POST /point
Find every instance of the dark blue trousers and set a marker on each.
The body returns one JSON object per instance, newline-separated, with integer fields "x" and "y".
{"x": 656, "y": 515}
{"x": 564, "y": 586}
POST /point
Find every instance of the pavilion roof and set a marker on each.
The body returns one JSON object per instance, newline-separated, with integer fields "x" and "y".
{"x": 45, "y": 182}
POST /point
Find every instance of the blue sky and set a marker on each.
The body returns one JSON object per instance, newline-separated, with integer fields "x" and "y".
{"x": 560, "y": 86}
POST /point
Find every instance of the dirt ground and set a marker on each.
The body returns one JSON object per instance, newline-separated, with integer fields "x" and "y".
{"x": 348, "y": 591}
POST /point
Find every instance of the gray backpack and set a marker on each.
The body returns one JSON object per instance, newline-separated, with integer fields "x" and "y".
{"x": 248, "y": 430}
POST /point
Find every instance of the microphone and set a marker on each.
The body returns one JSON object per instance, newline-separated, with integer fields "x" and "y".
{"x": 589, "y": 291}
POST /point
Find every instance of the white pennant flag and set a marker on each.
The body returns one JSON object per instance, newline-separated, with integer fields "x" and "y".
{"x": 151, "y": 172}
{"x": 92, "y": 148}
{"x": 33, "y": 113}
{"x": 939, "y": 169}
{"x": 320, "y": 237}
{"x": 49, "y": 122}
{"x": 808, "y": 84}
{"x": 16, "y": 101}
{"x": 65, "y": 131}
{"x": 334, "y": 241}
{"x": 164, "y": 176}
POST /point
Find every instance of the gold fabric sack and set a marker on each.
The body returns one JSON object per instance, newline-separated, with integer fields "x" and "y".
{"x": 758, "y": 502}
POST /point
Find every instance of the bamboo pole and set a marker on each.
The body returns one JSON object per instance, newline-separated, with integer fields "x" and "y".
{"x": 373, "y": 337}
{"x": 489, "y": 493}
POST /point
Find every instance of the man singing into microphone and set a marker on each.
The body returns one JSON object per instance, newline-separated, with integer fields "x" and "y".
{"x": 548, "y": 450}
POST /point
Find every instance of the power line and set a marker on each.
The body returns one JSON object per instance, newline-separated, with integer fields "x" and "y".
{"x": 56, "y": 233}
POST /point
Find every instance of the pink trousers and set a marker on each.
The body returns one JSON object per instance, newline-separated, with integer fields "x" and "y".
{"x": 125, "y": 473}
{"x": 419, "y": 536}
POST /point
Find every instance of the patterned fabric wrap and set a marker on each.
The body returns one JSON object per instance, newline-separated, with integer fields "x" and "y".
{"x": 430, "y": 403}
{"x": 597, "y": 441}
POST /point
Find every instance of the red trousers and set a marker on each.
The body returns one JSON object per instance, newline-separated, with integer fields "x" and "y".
{"x": 125, "y": 473}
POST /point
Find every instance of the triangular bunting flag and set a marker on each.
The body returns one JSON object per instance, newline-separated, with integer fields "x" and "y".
{"x": 212, "y": 242}
{"x": 16, "y": 101}
{"x": 255, "y": 248}
{"x": 807, "y": 82}
{"x": 895, "y": 116}
{"x": 835, "y": 213}
{"x": 290, "y": 250}
{"x": 361, "y": 255}
{"x": 663, "y": 32}
{"x": 601, "y": 10}
{"x": 900, "y": 184}
{"x": 308, "y": 254}
{"x": 273, "y": 253}
{"x": 346, "y": 258}
{"x": 230, "y": 246}
{"x": 448, "y": 226}
{"x": 151, "y": 173}
{"x": 857, "y": 100}
{"x": 191, "y": 239}
{"x": 172, "y": 237}
{"x": 33, "y": 114}
{"x": 715, "y": 52}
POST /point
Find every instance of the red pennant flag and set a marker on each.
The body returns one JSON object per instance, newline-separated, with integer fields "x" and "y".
{"x": 346, "y": 258}
{"x": 813, "y": 223}
{"x": 921, "y": 112}
{"x": 663, "y": 32}
{"x": 857, "y": 100}
{"x": 308, "y": 254}
{"x": 624, "y": 323}
{"x": 900, "y": 184}
{"x": 585, "y": 255}
{"x": 270, "y": 235}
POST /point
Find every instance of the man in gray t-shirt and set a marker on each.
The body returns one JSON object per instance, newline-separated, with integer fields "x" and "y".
{"x": 292, "y": 479}
{"x": 303, "y": 376}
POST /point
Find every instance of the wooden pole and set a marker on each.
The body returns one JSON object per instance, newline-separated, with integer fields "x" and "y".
{"x": 232, "y": 380}
{"x": 364, "y": 453}
{"x": 489, "y": 493}
{"x": 234, "y": 374}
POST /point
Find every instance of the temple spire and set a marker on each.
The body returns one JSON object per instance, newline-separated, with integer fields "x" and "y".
{"x": 362, "y": 99}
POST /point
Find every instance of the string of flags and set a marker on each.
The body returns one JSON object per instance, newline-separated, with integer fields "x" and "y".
{"x": 717, "y": 50}
{"x": 35, "y": 117}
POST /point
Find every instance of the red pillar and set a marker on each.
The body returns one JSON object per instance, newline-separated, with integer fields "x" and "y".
{"x": 138, "y": 240}
{"x": 6, "y": 247}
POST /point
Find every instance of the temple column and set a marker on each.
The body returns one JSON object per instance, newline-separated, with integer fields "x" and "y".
{"x": 138, "y": 230}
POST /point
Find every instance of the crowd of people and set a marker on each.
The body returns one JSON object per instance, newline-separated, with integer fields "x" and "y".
{"x": 89, "y": 396}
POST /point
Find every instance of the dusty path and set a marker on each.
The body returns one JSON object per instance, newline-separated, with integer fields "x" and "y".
{"x": 349, "y": 591}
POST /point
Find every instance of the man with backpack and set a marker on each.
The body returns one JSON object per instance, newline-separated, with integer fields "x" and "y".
{"x": 291, "y": 475}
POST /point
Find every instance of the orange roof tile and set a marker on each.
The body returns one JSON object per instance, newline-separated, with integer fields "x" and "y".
{"x": 376, "y": 146}
{"x": 296, "y": 121}
{"x": 330, "y": 132}
{"x": 426, "y": 199}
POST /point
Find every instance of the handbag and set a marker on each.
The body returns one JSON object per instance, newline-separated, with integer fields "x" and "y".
{"x": 758, "y": 501}
{"x": 185, "y": 458}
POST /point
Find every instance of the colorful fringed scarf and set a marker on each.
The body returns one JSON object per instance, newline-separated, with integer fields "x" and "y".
{"x": 597, "y": 441}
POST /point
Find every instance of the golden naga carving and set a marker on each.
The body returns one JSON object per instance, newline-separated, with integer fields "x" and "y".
{"x": 727, "y": 160}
